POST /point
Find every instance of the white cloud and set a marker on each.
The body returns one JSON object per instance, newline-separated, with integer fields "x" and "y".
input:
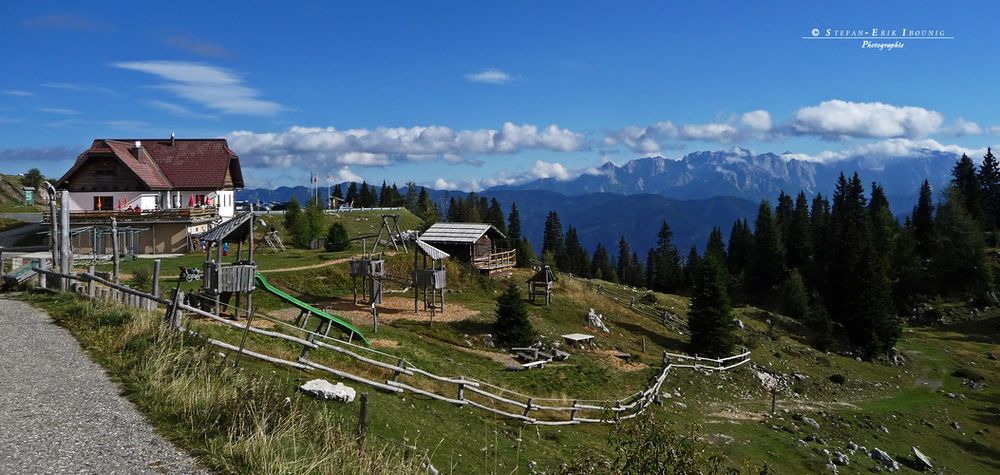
{"x": 213, "y": 87}
{"x": 964, "y": 127}
{"x": 889, "y": 148}
{"x": 489, "y": 76}
{"x": 179, "y": 110}
{"x": 540, "y": 169}
{"x": 550, "y": 170}
{"x": 18, "y": 93}
{"x": 57, "y": 110}
{"x": 837, "y": 119}
{"x": 384, "y": 145}
{"x": 345, "y": 174}
{"x": 664, "y": 135}
{"x": 78, "y": 88}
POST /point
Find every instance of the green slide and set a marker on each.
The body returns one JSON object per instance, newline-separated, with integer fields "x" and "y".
{"x": 309, "y": 308}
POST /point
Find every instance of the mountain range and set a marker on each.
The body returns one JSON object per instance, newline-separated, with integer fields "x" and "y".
{"x": 693, "y": 194}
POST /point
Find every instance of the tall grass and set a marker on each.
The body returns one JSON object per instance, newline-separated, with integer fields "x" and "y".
{"x": 234, "y": 421}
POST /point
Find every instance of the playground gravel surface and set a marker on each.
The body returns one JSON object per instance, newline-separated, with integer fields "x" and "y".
{"x": 59, "y": 411}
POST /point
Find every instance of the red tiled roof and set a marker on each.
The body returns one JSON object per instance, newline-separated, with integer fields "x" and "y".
{"x": 184, "y": 164}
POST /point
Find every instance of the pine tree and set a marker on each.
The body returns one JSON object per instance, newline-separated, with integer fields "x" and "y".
{"x": 798, "y": 244}
{"x": 966, "y": 180}
{"x": 691, "y": 264}
{"x": 712, "y": 328}
{"x": 716, "y": 247}
{"x": 525, "y": 253}
{"x": 412, "y": 197}
{"x": 454, "y": 212}
{"x": 600, "y": 265}
{"x": 669, "y": 273}
{"x": 578, "y": 262}
{"x": 635, "y": 271}
{"x": 909, "y": 272}
{"x": 552, "y": 239}
{"x": 923, "y": 221}
{"x": 819, "y": 230}
{"x": 512, "y": 327}
{"x": 365, "y": 195}
{"x": 876, "y": 327}
{"x": 989, "y": 182}
{"x": 472, "y": 209}
{"x": 514, "y": 223}
{"x": 426, "y": 209}
{"x": 310, "y": 230}
{"x": 884, "y": 228}
{"x": 293, "y": 218}
{"x": 958, "y": 261}
{"x": 740, "y": 247}
{"x": 352, "y": 195}
{"x": 767, "y": 263}
{"x": 783, "y": 214}
{"x": 794, "y": 298}
{"x": 494, "y": 216}
{"x": 336, "y": 238}
{"x": 337, "y": 192}
{"x": 624, "y": 260}
{"x": 384, "y": 196}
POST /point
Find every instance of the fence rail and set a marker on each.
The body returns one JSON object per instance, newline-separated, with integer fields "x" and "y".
{"x": 403, "y": 376}
{"x": 630, "y": 298}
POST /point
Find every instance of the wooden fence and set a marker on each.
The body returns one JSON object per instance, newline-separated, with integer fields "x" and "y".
{"x": 401, "y": 376}
{"x": 627, "y": 297}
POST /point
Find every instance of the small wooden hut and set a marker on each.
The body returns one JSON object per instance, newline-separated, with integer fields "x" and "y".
{"x": 540, "y": 285}
{"x": 474, "y": 243}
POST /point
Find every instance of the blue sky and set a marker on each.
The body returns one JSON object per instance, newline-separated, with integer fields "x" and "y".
{"x": 469, "y": 95}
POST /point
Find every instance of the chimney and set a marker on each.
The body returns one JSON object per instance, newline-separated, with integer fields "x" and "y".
{"x": 172, "y": 139}
{"x": 138, "y": 150}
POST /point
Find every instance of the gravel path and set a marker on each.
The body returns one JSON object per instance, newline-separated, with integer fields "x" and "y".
{"x": 59, "y": 411}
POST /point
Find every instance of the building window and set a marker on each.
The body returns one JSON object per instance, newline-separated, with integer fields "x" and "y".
{"x": 199, "y": 200}
{"x": 104, "y": 203}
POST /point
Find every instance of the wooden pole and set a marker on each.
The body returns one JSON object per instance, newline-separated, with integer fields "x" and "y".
{"x": 156, "y": 278}
{"x": 53, "y": 224}
{"x": 65, "y": 254}
{"x": 774, "y": 399}
{"x": 115, "y": 259}
{"x": 363, "y": 419}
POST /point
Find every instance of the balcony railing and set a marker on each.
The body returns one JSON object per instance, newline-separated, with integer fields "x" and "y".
{"x": 176, "y": 214}
{"x": 496, "y": 260}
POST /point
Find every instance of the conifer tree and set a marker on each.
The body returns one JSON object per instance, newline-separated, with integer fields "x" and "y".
{"x": 691, "y": 264}
{"x": 783, "y": 214}
{"x": 958, "y": 260}
{"x": 337, "y": 192}
{"x": 578, "y": 261}
{"x": 989, "y": 182}
{"x": 740, "y": 247}
{"x": 884, "y": 228}
{"x": 600, "y": 265}
{"x": 966, "y": 180}
{"x": 352, "y": 195}
{"x": 494, "y": 216}
{"x": 426, "y": 209}
{"x": 384, "y": 196}
{"x": 552, "y": 239}
{"x": 669, "y": 274}
{"x": 799, "y": 245}
{"x": 365, "y": 195}
{"x": 412, "y": 196}
{"x": 767, "y": 263}
{"x": 454, "y": 213}
{"x": 923, "y": 221}
{"x": 336, "y": 238}
{"x": 716, "y": 247}
{"x": 512, "y": 327}
{"x": 712, "y": 328}
{"x": 514, "y": 223}
{"x": 293, "y": 217}
{"x": 794, "y": 298}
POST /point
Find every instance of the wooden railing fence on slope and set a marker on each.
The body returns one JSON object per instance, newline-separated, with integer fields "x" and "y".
{"x": 406, "y": 377}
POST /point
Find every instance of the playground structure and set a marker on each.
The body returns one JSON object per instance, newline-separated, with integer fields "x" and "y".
{"x": 274, "y": 242}
{"x": 221, "y": 282}
{"x": 371, "y": 270}
{"x": 390, "y": 227}
{"x": 429, "y": 279}
{"x": 305, "y": 311}
{"x": 540, "y": 285}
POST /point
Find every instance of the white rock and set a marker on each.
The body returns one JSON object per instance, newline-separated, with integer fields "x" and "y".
{"x": 926, "y": 462}
{"x": 810, "y": 422}
{"x": 886, "y": 460}
{"x": 596, "y": 320}
{"x": 323, "y": 389}
{"x": 840, "y": 458}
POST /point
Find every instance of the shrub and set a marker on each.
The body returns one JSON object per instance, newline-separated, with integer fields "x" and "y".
{"x": 838, "y": 379}
{"x": 512, "y": 327}
{"x": 141, "y": 279}
{"x": 337, "y": 239}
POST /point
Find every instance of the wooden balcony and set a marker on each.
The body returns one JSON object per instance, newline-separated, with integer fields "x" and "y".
{"x": 496, "y": 261}
{"x": 177, "y": 215}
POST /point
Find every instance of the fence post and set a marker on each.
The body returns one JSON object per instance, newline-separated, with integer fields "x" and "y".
{"x": 362, "y": 420}
{"x": 90, "y": 282}
{"x": 156, "y": 278}
{"x": 402, "y": 364}
{"x": 42, "y": 280}
{"x": 305, "y": 349}
{"x": 527, "y": 407}
{"x": 572, "y": 414}
{"x": 172, "y": 318}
